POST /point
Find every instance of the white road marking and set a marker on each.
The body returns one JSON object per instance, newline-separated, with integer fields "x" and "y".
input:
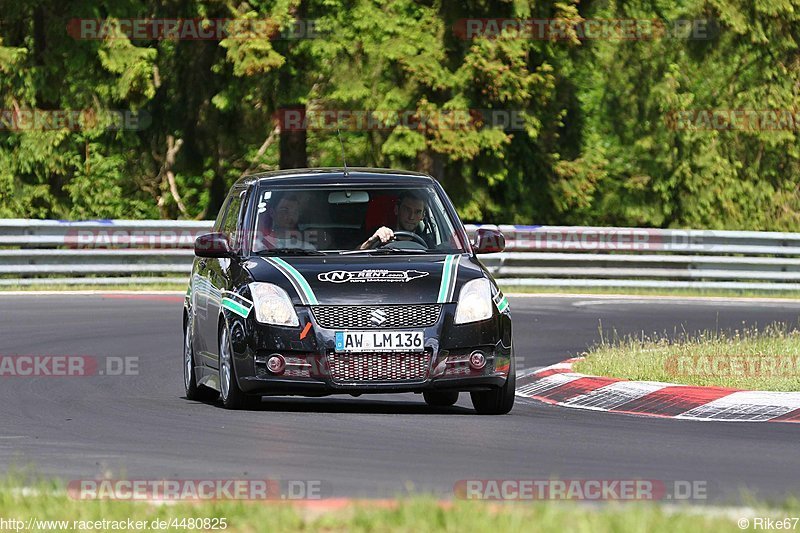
{"x": 746, "y": 406}
{"x": 644, "y": 297}
{"x": 545, "y": 384}
{"x": 90, "y": 293}
{"x": 614, "y": 395}
{"x": 716, "y": 303}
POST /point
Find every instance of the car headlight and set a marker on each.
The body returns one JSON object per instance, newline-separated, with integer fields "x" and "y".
{"x": 273, "y": 305}
{"x": 474, "y": 302}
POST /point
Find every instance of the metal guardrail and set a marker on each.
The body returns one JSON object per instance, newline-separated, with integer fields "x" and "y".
{"x": 126, "y": 251}
{"x": 107, "y": 252}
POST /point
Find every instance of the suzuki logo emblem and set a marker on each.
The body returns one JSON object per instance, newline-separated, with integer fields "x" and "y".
{"x": 378, "y": 317}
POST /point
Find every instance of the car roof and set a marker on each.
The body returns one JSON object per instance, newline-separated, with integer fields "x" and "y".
{"x": 337, "y": 176}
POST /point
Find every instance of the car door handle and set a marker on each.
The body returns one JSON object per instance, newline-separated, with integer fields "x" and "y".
{"x": 202, "y": 263}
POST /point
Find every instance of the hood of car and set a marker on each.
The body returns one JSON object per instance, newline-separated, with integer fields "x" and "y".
{"x": 361, "y": 280}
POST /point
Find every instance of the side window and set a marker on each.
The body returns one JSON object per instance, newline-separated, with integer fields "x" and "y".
{"x": 221, "y": 214}
{"x": 230, "y": 223}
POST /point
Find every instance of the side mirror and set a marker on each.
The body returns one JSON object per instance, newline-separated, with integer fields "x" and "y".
{"x": 212, "y": 245}
{"x": 489, "y": 241}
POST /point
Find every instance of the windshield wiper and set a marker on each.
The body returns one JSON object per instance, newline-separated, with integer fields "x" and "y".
{"x": 289, "y": 251}
{"x": 388, "y": 250}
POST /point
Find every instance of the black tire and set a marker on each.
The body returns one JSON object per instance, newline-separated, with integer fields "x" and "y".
{"x": 498, "y": 401}
{"x": 193, "y": 391}
{"x": 229, "y": 391}
{"x": 440, "y": 398}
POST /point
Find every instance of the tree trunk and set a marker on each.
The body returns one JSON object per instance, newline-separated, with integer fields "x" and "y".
{"x": 293, "y": 137}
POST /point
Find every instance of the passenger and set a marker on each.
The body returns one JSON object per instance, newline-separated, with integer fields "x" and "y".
{"x": 284, "y": 230}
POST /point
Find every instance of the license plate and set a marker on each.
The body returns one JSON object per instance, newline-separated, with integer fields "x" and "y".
{"x": 380, "y": 341}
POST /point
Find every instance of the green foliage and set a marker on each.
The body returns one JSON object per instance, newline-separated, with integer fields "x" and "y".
{"x": 659, "y": 175}
{"x": 593, "y": 141}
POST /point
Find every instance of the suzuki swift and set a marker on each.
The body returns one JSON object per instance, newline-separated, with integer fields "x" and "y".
{"x": 345, "y": 281}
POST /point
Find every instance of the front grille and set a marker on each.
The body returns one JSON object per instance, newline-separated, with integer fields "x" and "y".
{"x": 376, "y": 316}
{"x": 375, "y": 367}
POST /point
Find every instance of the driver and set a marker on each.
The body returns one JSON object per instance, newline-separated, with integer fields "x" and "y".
{"x": 410, "y": 210}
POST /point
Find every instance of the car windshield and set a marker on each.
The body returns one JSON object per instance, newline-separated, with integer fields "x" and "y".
{"x": 369, "y": 220}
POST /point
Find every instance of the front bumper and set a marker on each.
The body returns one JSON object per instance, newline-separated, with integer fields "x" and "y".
{"x": 308, "y": 357}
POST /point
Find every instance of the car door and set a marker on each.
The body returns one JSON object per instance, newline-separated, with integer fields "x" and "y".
{"x": 200, "y": 295}
{"x": 219, "y": 277}
{"x": 205, "y": 349}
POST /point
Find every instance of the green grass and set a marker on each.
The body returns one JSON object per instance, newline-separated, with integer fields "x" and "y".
{"x": 634, "y": 291}
{"x": 750, "y": 359}
{"x": 88, "y": 287}
{"x": 413, "y": 514}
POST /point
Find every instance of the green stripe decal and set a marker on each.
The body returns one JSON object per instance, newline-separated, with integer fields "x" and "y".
{"x": 237, "y": 298}
{"x": 500, "y": 301}
{"x": 234, "y": 307}
{"x": 502, "y": 305}
{"x": 311, "y": 299}
{"x": 445, "y": 283}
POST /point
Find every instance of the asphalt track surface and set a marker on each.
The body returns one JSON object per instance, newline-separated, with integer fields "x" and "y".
{"x": 141, "y": 427}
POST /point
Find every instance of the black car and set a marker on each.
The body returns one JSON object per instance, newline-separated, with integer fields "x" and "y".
{"x": 345, "y": 281}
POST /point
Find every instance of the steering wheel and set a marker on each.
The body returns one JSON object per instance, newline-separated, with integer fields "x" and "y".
{"x": 413, "y": 236}
{"x": 400, "y": 233}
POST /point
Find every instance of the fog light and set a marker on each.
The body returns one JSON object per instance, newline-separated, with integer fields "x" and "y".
{"x": 477, "y": 360}
{"x": 276, "y": 363}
